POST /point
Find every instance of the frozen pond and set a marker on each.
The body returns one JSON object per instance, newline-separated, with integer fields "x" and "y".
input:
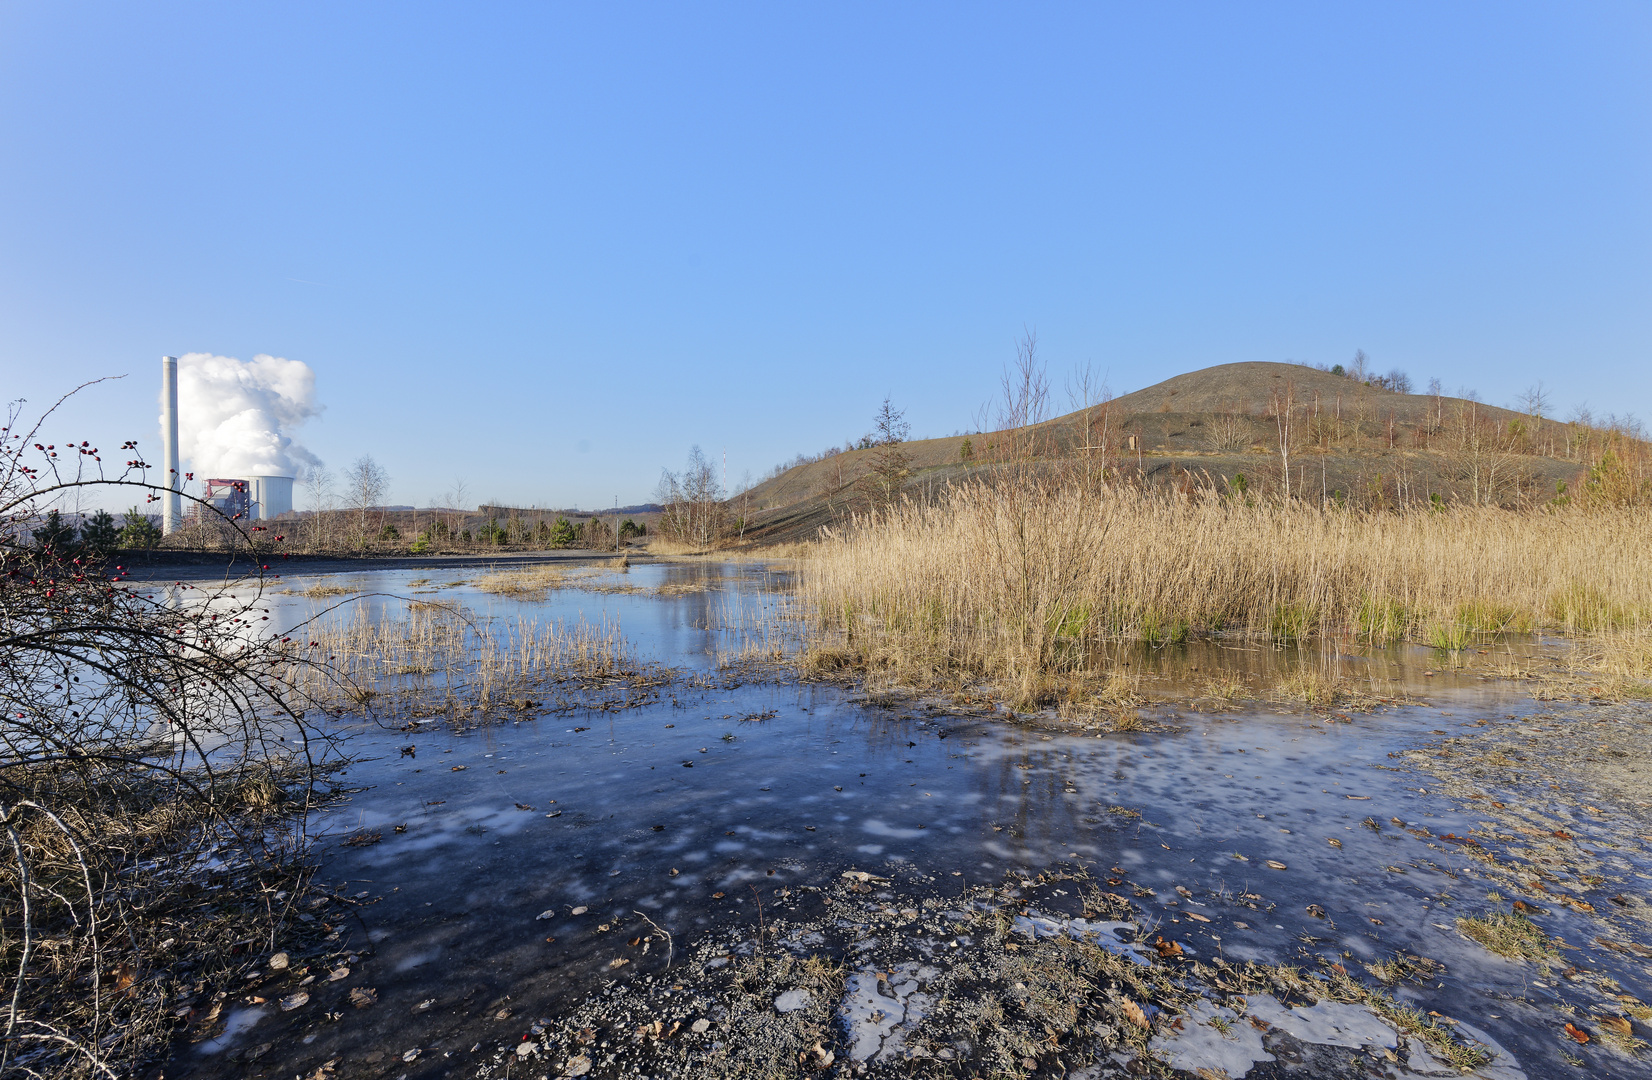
{"x": 729, "y": 788}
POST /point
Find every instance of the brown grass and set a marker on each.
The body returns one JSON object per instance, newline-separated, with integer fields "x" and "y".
{"x": 1019, "y": 582}
{"x": 531, "y": 583}
{"x": 319, "y": 591}
{"x": 438, "y": 660}
{"x": 665, "y": 545}
{"x": 536, "y": 583}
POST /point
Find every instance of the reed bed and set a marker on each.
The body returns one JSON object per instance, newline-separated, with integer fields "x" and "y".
{"x": 321, "y": 590}
{"x": 536, "y": 583}
{"x": 437, "y": 660}
{"x": 529, "y": 584}
{"x": 1020, "y": 581}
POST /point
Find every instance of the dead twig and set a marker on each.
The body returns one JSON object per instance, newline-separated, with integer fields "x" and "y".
{"x": 667, "y": 933}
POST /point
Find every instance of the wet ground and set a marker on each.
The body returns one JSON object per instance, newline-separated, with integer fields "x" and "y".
{"x": 482, "y": 887}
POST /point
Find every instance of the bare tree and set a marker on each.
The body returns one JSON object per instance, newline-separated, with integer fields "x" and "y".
{"x": 366, "y": 483}
{"x": 1284, "y": 405}
{"x": 1534, "y": 401}
{"x": 456, "y": 498}
{"x": 1482, "y": 450}
{"x": 746, "y": 484}
{"x": 1025, "y": 396}
{"x": 318, "y": 492}
{"x": 692, "y": 502}
{"x": 1088, "y": 393}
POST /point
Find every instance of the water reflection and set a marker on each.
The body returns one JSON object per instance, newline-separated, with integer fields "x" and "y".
{"x": 680, "y": 809}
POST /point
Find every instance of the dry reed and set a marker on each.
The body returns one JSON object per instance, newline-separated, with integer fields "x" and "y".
{"x": 1020, "y": 581}
{"x": 536, "y": 583}
{"x": 439, "y": 660}
{"x": 529, "y": 583}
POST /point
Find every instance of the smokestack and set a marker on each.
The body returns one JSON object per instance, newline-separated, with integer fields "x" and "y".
{"x": 171, "y": 505}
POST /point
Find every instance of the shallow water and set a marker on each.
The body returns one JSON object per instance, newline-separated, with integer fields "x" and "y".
{"x": 743, "y": 787}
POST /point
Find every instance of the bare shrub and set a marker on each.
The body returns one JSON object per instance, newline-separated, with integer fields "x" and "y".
{"x": 1228, "y": 432}
{"x": 156, "y": 769}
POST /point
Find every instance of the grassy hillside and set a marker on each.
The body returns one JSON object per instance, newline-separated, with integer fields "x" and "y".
{"x": 1347, "y": 440}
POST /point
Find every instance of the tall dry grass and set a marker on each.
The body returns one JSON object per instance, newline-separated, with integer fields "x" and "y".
{"x": 537, "y": 582}
{"x": 440, "y": 660}
{"x": 1017, "y": 581}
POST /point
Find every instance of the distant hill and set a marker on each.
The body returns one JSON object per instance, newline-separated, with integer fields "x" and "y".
{"x": 1360, "y": 442}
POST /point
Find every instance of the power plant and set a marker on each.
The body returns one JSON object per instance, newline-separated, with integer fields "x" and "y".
{"x": 257, "y": 497}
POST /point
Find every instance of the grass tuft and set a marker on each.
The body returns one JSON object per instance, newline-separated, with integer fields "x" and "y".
{"x": 1509, "y": 934}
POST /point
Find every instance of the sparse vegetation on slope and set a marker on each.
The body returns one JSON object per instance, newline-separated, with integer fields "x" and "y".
{"x": 1260, "y": 428}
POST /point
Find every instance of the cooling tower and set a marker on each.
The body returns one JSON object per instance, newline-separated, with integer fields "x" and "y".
{"x": 271, "y": 496}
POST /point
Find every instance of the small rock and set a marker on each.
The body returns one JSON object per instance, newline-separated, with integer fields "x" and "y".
{"x": 577, "y": 1066}
{"x": 411, "y": 1054}
{"x": 582, "y": 909}
{"x": 338, "y": 973}
{"x": 280, "y": 962}
{"x": 548, "y": 913}
{"x": 700, "y": 1026}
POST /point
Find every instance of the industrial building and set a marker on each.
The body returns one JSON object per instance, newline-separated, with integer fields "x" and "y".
{"x": 248, "y": 498}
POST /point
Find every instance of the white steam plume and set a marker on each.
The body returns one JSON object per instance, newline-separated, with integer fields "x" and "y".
{"x": 232, "y": 414}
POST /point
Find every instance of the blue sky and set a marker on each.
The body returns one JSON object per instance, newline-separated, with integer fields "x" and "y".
{"x": 547, "y": 248}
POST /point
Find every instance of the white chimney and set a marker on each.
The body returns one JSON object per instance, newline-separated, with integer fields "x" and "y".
{"x": 171, "y": 478}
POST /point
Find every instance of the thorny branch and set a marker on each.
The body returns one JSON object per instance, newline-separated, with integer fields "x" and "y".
{"x": 155, "y": 756}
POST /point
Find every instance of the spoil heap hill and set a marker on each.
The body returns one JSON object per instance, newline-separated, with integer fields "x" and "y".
{"x": 1363, "y": 443}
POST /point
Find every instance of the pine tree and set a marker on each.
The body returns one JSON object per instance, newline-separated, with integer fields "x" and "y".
{"x": 100, "y": 533}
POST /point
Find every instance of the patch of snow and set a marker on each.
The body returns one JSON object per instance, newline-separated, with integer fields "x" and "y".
{"x": 878, "y": 1023}
{"x": 1197, "y": 1044}
{"x": 792, "y": 1000}
{"x": 1330, "y": 1023}
{"x": 239, "y": 1021}
{"x": 1502, "y": 1065}
{"x": 1035, "y": 925}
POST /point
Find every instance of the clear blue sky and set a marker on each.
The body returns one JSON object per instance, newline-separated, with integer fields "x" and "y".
{"x": 548, "y": 247}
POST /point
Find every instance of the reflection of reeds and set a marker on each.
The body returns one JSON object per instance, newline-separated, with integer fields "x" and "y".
{"x": 1021, "y": 581}
{"x": 437, "y": 659}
